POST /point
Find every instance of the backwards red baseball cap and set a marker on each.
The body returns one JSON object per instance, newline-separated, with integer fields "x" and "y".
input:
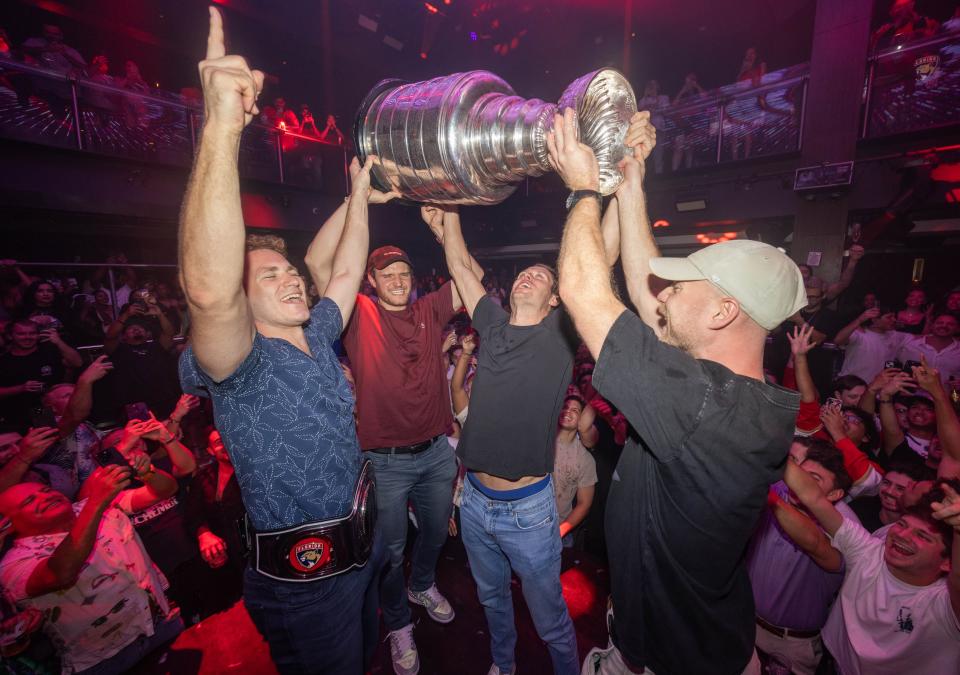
{"x": 384, "y": 256}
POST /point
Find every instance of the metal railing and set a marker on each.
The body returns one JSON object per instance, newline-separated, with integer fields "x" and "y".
{"x": 51, "y": 108}
{"x": 909, "y": 87}
{"x": 737, "y": 121}
{"x": 913, "y": 86}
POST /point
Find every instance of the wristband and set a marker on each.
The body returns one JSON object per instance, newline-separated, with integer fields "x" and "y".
{"x": 577, "y": 195}
{"x": 884, "y": 400}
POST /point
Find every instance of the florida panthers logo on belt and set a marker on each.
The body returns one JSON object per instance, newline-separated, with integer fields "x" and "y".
{"x": 310, "y": 554}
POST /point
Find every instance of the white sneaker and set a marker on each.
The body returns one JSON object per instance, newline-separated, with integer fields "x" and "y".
{"x": 495, "y": 670}
{"x": 403, "y": 651}
{"x": 438, "y": 608}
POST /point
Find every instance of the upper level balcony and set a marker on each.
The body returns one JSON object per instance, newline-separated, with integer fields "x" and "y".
{"x": 908, "y": 88}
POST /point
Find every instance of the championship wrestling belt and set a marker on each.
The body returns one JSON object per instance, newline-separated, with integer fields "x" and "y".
{"x": 320, "y": 550}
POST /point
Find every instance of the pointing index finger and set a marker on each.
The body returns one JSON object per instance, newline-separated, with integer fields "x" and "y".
{"x": 215, "y": 45}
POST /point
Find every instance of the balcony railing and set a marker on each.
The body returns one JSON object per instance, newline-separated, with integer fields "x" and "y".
{"x": 913, "y": 86}
{"x": 40, "y": 106}
{"x": 910, "y": 87}
{"x": 738, "y": 121}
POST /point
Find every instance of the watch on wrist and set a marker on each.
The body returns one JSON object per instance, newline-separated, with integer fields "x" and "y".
{"x": 577, "y": 195}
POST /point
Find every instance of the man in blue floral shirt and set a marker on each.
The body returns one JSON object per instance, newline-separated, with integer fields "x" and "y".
{"x": 281, "y": 403}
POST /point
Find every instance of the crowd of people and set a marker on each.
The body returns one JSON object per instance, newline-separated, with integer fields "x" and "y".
{"x": 811, "y": 525}
{"x": 50, "y": 51}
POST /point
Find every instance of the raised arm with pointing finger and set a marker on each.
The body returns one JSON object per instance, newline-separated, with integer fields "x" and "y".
{"x": 212, "y": 234}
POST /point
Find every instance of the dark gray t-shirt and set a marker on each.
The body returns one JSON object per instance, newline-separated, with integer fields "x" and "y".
{"x": 521, "y": 381}
{"x": 686, "y": 496}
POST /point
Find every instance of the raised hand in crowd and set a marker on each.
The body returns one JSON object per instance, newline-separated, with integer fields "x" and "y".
{"x": 927, "y": 378}
{"x": 105, "y": 483}
{"x": 800, "y": 339}
{"x": 141, "y": 465}
{"x": 948, "y": 510}
{"x": 51, "y": 335}
{"x": 30, "y": 448}
{"x": 97, "y": 370}
{"x": 449, "y": 340}
{"x": 185, "y": 404}
{"x": 469, "y": 343}
{"x": 35, "y": 443}
{"x": 832, "y": 419}
{"x": 898, "y": 382}
{"x": 70, "y": 356}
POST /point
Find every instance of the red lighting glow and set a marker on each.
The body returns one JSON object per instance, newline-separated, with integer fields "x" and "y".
{"x": 423, "y": 55}
{"x": 713, "y": 238}
{"x": 580, "y": 592}
{"x": 431, "y": 8}
{"x": 661, "y": 223}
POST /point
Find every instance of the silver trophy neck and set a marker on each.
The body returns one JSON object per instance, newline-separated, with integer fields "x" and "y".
{"x": 467, "y": 138}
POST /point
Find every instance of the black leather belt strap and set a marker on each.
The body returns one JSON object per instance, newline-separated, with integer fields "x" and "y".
{"x": 323, "y": 549}
{"x": 786, "y": 632}
{"x": 406, "y": 449}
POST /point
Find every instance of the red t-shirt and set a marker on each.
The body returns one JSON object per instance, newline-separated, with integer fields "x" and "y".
{"x": 402, "y": 394}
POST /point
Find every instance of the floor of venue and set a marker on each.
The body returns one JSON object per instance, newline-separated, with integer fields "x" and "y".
{"x": 229, "y": 643}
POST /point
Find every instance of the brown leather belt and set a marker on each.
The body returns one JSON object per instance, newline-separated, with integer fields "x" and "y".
{"x": 786, "y": 632}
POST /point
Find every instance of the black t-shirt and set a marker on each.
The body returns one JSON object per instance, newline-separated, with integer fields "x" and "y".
{"x": 686, "y": 496}
{"x": 522, "y": 377}
{"x": 902, "y": 454}
{"x": 44, "y": 365}
{"x": 163, "y": 527}
{"x": 147, "y": 373}
{"x": 868, "y": 511}
{"x": 824, "y": 320}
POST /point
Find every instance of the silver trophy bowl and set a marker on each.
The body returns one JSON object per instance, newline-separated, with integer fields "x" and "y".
{"x": 467, "y": 138}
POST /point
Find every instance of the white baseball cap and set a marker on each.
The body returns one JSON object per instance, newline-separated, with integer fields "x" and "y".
{"x": 767, "y": 284}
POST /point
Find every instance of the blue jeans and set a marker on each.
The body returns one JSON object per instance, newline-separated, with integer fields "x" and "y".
{"x": 426, "y": 479}
{"x": 328, "y": 626}
{"x": 523, "y": 535}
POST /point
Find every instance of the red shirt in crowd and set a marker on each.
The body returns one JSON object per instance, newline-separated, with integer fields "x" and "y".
{"x": 401, "y": 382}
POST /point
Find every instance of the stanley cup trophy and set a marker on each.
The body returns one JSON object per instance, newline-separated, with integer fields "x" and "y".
{"x": 468, "y": 138}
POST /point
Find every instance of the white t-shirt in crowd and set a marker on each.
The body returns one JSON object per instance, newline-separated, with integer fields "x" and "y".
{"x": 573, "y": 468}
{"x": 110, "y": 605}
{"x": 880, "y": 625}
{"x": 867, "y": 351}
{"x": 946, "y": 361}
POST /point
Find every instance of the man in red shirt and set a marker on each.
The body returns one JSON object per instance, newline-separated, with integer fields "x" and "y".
{"x": 403, "y": 413}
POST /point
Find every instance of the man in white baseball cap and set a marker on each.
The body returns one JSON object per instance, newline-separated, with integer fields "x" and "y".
{"x": 711, "y": 435}
{"x": 765, "y": 282}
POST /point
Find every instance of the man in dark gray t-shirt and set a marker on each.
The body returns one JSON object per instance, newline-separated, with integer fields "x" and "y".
{"x": 710, "y": 434}
{"x": 508, "y": 512}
